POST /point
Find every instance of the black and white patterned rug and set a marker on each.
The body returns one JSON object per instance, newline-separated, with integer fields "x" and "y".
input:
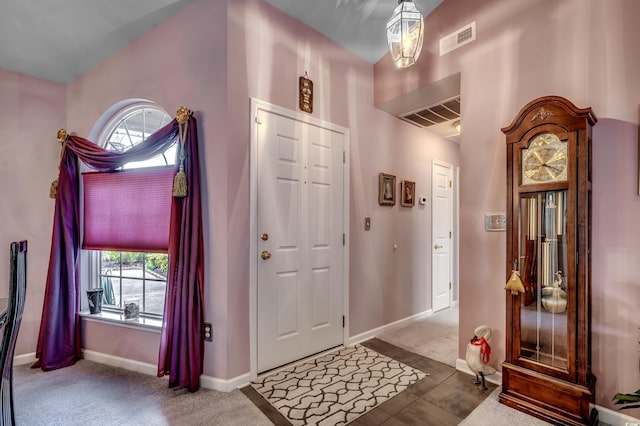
{"x": 337, "y": 387}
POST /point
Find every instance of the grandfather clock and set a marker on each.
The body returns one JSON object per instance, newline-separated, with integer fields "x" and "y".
{"x": 547, "y": 367}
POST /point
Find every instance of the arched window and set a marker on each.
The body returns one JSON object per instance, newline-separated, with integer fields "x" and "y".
{"x": 133, "y": 282}
{"x": 133, "y": 124}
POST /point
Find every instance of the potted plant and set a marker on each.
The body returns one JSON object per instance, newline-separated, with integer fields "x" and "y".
{"x": 629, "y": 400}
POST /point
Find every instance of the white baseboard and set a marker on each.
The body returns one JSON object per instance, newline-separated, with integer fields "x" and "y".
{"x": 615, "y": 418}
{"x": 24, "y": 359}
{"x": 461, "y": 365}
{"x": 116, "y": 361}
{"x": 207, "y": 382}
{"x": 222, "y": 385}
{"x": 387, "y": 327}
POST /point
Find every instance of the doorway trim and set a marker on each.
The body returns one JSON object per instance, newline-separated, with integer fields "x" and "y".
{"x": 456, "y": 237}
{"x": 257, "y": 106}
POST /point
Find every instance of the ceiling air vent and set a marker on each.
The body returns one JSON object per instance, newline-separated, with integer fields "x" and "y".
{"x": 440, "y": 113}
{"x": 458, "y": 38}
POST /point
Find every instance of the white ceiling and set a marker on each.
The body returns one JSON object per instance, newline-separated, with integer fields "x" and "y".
{"x": 59, "y": 40}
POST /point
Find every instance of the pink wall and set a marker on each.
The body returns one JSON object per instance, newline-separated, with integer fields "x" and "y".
{"x": 268, "y": 51}
{"x": 212, "y": 57}
{"x": 260, "y": 52}
{"x": 172, "y": 65}
{"x": 31, "y": 112}
{"x": 584, "y": 50}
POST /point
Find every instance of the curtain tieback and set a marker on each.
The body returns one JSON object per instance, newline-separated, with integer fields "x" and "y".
{"x": 180, "y": 179}
{"x": 62, "y": 138}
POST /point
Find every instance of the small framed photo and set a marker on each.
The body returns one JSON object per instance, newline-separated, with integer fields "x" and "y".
{"x": 408, "y": 189}
{"x": 386, "y": 189}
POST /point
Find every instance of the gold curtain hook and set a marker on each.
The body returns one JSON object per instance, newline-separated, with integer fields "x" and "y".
{"x": 62, "y": 135}
{"x": 182, "y": 115}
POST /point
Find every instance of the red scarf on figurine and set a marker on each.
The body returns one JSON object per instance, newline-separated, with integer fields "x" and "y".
{"x": 485, "y": 349}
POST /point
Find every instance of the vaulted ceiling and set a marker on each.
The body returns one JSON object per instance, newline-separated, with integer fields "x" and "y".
{"x": 61, "y": 40}
{"x": 357, "y": 25}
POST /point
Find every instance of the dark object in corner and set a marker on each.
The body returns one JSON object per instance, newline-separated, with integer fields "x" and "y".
{"x": 10, "y": 324}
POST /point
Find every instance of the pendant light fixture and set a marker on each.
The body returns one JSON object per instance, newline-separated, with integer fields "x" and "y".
{"x": 405, "y": 30}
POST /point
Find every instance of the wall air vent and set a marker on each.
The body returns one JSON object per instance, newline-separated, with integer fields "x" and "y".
{"x": 442, "y": 112}
{"x": 458, "y": 38}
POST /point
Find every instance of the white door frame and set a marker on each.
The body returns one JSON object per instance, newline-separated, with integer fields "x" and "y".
{"x": 456, "y": 237}
{"x": 256, "y": 106}
{"x": 451, "y": 242}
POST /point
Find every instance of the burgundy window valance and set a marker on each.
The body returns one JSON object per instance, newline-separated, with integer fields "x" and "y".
{"x": 181, "y": 346}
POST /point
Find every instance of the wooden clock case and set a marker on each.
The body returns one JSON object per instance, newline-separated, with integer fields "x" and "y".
{"x": 547, "y": 367}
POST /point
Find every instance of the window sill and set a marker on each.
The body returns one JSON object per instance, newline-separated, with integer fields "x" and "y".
{"x": 147, "y": 324}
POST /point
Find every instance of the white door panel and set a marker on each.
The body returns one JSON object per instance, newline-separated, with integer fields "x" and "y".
{"x": 300, "y": 206}
{"x": 441, "y": 235}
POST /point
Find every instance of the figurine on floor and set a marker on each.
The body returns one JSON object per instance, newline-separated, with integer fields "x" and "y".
{"x": 478, "y": 354}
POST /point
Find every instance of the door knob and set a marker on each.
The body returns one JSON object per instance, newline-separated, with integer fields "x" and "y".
{"x": 437, "y": 246}
{"x": 264, "y": 236}
{"x": 265, "y": 255}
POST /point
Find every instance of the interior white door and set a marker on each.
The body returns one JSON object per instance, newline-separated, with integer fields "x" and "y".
{"x": 300, "y": 239}
{"x": 442, "y": 216}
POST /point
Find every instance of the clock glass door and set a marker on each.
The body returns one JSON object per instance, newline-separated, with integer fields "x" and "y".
{"x": 544, "y": 272}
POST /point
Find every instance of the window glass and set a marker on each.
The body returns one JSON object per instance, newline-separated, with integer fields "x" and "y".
{"x": 134, "y": 277}
{"x": 131, "y": 276}
{"x": 132, "y": 126}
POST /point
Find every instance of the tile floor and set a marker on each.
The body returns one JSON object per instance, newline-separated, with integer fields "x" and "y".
{"x": 443, "y": 398}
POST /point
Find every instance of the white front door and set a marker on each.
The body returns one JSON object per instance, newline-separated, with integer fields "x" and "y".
{"x": 442, "y": 213}
{"x": 300, "y": 241}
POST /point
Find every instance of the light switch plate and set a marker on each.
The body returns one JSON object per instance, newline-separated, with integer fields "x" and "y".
{"x": 495, "y": 222}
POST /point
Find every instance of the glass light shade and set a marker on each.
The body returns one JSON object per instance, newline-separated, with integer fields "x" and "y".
{"x": 405, "y": 30}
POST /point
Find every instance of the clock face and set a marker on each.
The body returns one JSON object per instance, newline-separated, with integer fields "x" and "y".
{"x": 545, "y": 160}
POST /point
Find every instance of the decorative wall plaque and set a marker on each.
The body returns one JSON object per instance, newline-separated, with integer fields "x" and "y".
{"x": 306, "y": 93}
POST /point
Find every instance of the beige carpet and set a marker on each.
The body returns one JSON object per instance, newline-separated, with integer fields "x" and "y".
{"x": 492, "y": 413}
{"x": 435, "y": 336}
{"x": 90, "y": 393}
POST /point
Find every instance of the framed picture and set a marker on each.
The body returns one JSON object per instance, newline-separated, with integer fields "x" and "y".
{"x": 386, "y": 189}
{"x": 408, "y": 198}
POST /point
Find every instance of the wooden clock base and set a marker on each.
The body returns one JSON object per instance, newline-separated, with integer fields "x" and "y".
{"x": 547, "y": 398}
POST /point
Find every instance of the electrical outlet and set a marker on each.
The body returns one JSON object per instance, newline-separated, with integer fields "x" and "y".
{"x": 208, "y": 332}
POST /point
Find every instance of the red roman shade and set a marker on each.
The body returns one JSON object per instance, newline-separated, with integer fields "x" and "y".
{"x": 128, "y": 210}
